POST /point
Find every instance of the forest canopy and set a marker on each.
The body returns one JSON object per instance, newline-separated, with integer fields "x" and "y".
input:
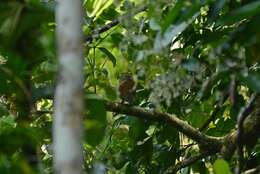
{"x": 170, "y": 86}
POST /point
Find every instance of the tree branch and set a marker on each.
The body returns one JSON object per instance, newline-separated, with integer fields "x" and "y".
{"x": 180, "y": 125}
{"x": 251, "y": 129}
{"x": 225, "y": 145}
{"x": 244, "y": 112}
{"x": 253, "y": 171}
{"x": 189, "y": 161}
{"x": 96, "y": 32}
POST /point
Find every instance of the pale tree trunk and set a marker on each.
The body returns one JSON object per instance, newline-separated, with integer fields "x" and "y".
{"x": 68, "y": 100}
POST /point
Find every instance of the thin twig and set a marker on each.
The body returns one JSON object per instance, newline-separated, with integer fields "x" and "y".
{"x": 19, "y": 83}
{"x": 244, "y": 112}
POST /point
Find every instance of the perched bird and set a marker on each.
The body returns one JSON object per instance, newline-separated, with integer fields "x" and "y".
{"x": 127, "y": 88}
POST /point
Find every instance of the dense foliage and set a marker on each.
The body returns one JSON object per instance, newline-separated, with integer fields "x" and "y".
{"x": 196, "y": 60}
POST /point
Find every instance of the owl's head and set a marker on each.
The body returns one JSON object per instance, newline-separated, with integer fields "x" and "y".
{"x": 126, "y": 76}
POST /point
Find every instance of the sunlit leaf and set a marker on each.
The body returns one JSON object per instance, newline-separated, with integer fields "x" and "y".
{"x": 221, "y": 167}
{"x": 162, "y": 40}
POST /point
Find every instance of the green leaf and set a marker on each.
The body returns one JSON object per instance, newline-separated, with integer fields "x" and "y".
{"x": 3, "y": 109}
{"x": 222, "y": 127}
{"x": 198, "y": 115}
{"x": 7, "y": 122}
{"x": 208, "y": 84}
{"x": 143, "y": 150}
{"x": 252, "y": 80}
{"x": 171, "y": 33}
{"x": 109, "y": 90}
{"x": 96, "y": 119}
{"x": 136, "y": 128}
{"x": 172, "y": 15}
{"x": 88, "y": 4}
{"x": 110, "y": 13}
{"x": 109, "y": 55}
{"x": 200, "y": 167}
{"x": 215, "y": 11}
{"x": 45, "y": 92}
{"x": 169, "y": 133}
{"x": 117, "y": 38}
{"x": 244, "y": 12}
{"x": 221, "y": 167}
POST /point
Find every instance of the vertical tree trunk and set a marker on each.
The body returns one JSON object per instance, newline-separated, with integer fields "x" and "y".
{"x": 68, "y": 102}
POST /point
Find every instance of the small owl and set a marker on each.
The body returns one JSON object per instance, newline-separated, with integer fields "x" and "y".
{"x": 127, "y": 88}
